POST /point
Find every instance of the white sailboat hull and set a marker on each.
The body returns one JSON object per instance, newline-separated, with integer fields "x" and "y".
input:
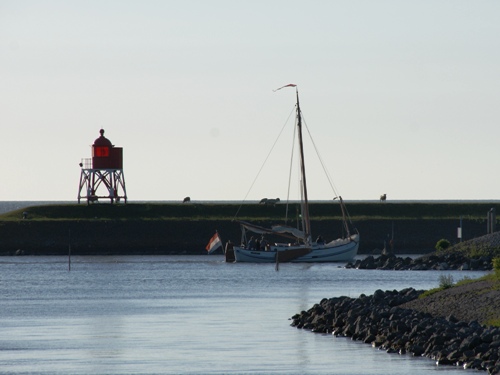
{"x": 341, "y": 250}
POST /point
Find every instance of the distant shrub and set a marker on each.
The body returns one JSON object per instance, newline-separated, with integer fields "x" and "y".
{"x": 445, "y": 281}
{"x": 478, "y": 251}
{"x": 496, "y": 265}
{"x": 442, "y": 244}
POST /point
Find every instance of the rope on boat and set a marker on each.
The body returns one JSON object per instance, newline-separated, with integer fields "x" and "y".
{"x": 264, "y": 163}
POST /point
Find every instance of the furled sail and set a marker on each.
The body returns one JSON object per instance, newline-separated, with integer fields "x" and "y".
{"x": 286, "y": 229}
{"x": 255, "y": 228}
{"x": 283, "y": 230}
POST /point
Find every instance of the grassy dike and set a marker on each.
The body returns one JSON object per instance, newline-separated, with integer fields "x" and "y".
{"x": 159, "y": 228}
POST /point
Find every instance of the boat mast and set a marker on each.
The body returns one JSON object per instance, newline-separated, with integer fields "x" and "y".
{"x": 305, "y": 203}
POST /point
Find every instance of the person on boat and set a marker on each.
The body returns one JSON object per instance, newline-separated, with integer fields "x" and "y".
{"x": 257, "y": 244}
{"x": 251, "y": 243}
{"x": 320, "y": 240}
{"x": 263, "y": 243}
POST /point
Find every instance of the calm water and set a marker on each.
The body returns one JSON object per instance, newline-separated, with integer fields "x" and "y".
{"x": 186, "y": 315}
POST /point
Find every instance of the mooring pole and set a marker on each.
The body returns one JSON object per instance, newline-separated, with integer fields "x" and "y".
{"x": 69, "y": 250}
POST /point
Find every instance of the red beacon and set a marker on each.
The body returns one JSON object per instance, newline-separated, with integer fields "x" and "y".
{"x": 102, "y": 175}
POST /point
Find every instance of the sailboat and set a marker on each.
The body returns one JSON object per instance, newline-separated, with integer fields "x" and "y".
{"x": 300, "y": 247}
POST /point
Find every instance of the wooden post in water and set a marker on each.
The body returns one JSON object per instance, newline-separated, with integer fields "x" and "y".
{"x": 392, "y": 239}
{"x": 69, "y": 250}
{"x": 459, "y": 230}
{"x": 491, "y": 221}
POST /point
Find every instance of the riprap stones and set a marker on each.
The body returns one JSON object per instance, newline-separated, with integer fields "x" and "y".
{"x": 377, "y": 320}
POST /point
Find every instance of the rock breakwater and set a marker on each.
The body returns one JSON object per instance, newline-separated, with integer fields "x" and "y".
{"x": 451, "y": 261}
{"x": 378, "y": 320}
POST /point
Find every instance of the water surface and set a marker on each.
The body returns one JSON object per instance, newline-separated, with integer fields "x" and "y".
{"x": 186, "y": 314}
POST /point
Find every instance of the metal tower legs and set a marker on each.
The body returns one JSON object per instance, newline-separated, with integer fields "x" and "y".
{"x": 110, "y": 180}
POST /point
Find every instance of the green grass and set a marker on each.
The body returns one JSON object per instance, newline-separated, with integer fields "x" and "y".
{"x": 494, "y": 277}
{"x": 494, "y": 322}
{"x": 430, "y": 292}
{"x": 496, "y": 265}
{"x": 472, "y": 250}
{"x": 122, "y": 212}
{"x": 464, "y": 281}
{"x": 319, "y": 211}
{"x": 448, "y": 283}
{"x": 445, "y": 282}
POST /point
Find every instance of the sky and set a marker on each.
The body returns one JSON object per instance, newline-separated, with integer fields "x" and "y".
{"x": 401, "y": 97}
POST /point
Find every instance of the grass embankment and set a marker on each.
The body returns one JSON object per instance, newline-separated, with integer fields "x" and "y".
{"x": 483, "y": 246}
{"x": 186, "y": 227}
{"x": 123, "y": 212}
{"x": 467, "y": 299}
{"x": 251, "y": 211}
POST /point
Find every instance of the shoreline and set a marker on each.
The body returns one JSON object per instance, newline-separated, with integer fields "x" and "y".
{"x": 400, "y": 322}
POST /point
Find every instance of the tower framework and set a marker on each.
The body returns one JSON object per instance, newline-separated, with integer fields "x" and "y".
{"x": 102, "y": 184}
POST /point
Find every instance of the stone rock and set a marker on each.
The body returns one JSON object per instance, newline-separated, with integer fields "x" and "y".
{"x": 435, "y": 262}
{"x": 379, "y": 321}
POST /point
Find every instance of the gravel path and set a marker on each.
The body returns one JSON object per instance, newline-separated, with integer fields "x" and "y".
{"x": 488, "y": 243}
{"x": 478, "y": 301}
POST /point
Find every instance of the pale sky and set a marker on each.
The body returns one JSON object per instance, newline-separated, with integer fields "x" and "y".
{"x": 401, "y": 97}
